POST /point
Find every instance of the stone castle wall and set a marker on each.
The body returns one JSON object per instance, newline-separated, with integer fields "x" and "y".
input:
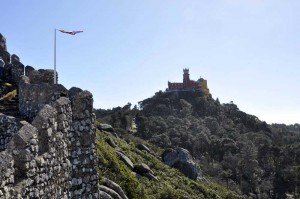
{"x": 33, "y": 96}
{"x": 83, "y": 145}
{"x": 54, "y": 156}
{"x": 39, "y": 166}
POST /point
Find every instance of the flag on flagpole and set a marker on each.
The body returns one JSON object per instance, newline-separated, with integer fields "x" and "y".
{"x": 66, "y": 32}
{"x": 71, "y": 32}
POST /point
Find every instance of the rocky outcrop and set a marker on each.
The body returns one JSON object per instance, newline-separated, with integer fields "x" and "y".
{"x": 106, "y": 127}
{"x": 150, "y": 176}
{"x": 114, "y": 186}
{"x": 144, "y": 170}
{"x": 125, "y": 159}
{"x": 110, "y": 189}
{"x": 143, "y": 147}
{"x": 182, "y": 160}
{"x": 111, "y": 142}
{"x": 139, "y": 169}
{"x": 110, "y": 192}
{"x": 104, "y": 195}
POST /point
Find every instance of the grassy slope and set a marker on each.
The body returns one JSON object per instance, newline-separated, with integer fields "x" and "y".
{"x": 171, "y": 184}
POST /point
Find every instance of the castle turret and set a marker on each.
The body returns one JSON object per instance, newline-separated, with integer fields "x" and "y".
{"x": 186, "y": 77}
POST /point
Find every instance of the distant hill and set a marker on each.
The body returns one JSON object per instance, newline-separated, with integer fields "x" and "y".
{"x": 286, "y": 128}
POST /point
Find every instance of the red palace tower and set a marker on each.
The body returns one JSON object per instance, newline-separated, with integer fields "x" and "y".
{"x": 187, "y": 84}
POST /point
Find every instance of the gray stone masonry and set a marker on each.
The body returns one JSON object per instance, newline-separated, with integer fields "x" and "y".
{"x": 41, "y": 76}
{"x": 17, "y": 70}
{"x": 83, "y": 154}
{"x": 13, "y": 70}
{"x": 53, "y": 153}
{"x": 8, "y": 128}
{"x": 28, "y": 70}
{"x": 32, "y": 97}
{"x": 6, "y": 174}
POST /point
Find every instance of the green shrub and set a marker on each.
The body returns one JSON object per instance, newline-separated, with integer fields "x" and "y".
{"x": 169, "y": 193}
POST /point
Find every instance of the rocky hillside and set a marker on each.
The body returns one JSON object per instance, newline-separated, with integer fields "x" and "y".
{"x": 137, "y": 166}
{"x": 232, "y": 147}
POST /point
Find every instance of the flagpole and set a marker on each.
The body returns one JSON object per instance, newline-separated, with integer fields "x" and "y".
{"x": 55, "y": 56}
{"x": 63, "y": 31}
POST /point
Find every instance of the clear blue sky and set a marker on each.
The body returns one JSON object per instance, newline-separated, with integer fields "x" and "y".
{"x": 247, "y": 50}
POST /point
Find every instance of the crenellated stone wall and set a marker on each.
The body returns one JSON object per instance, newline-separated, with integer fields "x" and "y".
{"x": 33, "y": 96}
{"x": 40, "y": 154}
{"x": 13, "y": 70}
{"x": 53, "y": 153}
{"x": 41, "y": 76}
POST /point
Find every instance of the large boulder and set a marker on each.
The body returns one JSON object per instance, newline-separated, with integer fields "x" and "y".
{"x": 182, "y": 160}
{"x": 114, "y": 186}
{"x": 109, "y": 192}
{"x": 143, "y": 147}
{"x": 104, "y": 195}
{"x": 150, "y": 176}
{"x": 125, "y": 159}
{"x": 142, "y": 168}
{"x": 106, "y": 127}
{"x": 111, "y": 142}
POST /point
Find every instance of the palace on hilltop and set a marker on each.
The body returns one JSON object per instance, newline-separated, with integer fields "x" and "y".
{"x": 187, "y": 84}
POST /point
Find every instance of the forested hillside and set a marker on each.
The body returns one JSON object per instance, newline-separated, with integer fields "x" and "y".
{"x": 233, "y": 148}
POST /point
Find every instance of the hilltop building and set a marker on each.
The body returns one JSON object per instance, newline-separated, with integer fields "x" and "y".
{"x": 187, "y": 84}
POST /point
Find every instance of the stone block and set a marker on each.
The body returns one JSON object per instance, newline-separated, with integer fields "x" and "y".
{"x": 23, "y": 138}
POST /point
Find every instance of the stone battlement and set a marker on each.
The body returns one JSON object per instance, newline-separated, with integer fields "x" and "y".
{"x": 53, "y": 153}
